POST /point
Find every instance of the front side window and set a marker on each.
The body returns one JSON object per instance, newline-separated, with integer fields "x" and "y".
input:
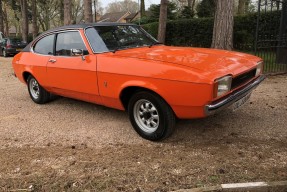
{"x": 96, "y": 42}
{"x": 45, "y": 45}
{"x": 68, "y": 41}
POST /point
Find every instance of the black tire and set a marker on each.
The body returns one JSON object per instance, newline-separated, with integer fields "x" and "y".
{"x": 37, "y": 93}
{"x": 165, "y": 118}
{"x": 53, "y": 97}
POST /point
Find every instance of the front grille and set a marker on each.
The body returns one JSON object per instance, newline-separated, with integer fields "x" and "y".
{"x": 243, "y": 78}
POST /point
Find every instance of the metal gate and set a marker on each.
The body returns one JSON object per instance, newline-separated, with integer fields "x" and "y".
{"x": 271, "y": 34}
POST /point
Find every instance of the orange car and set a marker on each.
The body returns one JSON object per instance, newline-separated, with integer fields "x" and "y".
{"x": 123, "y": 67}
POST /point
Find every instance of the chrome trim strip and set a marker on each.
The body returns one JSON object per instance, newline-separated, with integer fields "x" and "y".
{"x": 233, "y": 97}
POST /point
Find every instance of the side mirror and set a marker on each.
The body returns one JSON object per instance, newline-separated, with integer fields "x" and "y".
{"x": 78, "y": 52}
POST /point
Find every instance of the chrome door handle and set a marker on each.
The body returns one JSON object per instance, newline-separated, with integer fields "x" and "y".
{"x": 52, "y": 60}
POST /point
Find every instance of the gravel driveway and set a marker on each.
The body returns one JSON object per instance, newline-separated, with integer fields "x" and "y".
{"x": 72, "y": 145}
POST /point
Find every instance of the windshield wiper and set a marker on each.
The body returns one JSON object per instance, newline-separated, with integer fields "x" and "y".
{"x": 155, "y": 43}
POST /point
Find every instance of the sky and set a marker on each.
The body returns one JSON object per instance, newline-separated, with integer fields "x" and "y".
{"x": 147, "y": 2}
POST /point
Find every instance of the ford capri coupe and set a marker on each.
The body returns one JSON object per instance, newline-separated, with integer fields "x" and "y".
{"x": 123, "y": 67}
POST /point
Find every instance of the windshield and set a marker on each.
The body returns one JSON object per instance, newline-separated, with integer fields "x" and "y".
{"x": 119, "y": 37}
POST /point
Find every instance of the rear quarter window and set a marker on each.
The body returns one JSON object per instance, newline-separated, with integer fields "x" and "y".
{"x": 45, "y": 45}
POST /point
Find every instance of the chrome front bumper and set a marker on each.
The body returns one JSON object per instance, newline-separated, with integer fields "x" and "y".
{"x": 233, "y": 97}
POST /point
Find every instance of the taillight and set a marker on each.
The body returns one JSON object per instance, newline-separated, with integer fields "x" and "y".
{"x": 8, "y": 46}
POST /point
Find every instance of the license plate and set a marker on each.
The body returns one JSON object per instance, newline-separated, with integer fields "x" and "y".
{"x": 241, "y": 102}
{"x": 18, "y": 49}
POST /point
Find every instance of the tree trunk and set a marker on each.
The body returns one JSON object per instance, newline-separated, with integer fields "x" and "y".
{"x": 190, "y": 3}
{"x": 61, "y": 11}
{"x": 34, "y": 19}
{"x": 223, "y": 25}
{"x": 1, "y": 18}
{"x": 162, "y": 21}
{"x": 142, "y": 8}
{"x": 67, "y": 12}
{"x": 88, "y": 11}
{"x": 95, "y": 11}
{"x": 19, "y": 31}
{"x": 24, "y": 13}
{"x": 6, "y": 22}
{"x": 47, "y": 19}
{"x": 241, "y": 7}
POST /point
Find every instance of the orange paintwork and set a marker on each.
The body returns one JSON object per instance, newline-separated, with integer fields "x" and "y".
{"x": 183, "y": 77}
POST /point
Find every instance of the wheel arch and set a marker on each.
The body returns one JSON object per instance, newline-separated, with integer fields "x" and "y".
{"x": 25, "y": 75}
{"x": 128, "y": 91}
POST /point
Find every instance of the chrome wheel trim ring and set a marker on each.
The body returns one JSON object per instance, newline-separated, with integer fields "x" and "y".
{"x": 34, "y": 88}
{"x": 146, "y": 115}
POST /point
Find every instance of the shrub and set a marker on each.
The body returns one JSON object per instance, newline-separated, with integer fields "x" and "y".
{"x": 197, "y": 32}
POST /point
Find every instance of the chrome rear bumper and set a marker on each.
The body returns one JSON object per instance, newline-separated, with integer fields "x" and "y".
{"x": 233, "y": 97}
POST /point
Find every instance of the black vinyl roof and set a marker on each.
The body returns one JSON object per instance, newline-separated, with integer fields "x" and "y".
{"x": 77, "y": 26}
{"x": 85, "y": 25}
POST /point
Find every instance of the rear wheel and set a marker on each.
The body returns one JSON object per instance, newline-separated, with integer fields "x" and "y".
{"x": 37, "y": 93}
{"x": 151, "y": 117}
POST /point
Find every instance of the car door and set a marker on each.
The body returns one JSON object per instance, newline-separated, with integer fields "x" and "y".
{"x": 73, "y": 75}
{"x": 36, "y": 61}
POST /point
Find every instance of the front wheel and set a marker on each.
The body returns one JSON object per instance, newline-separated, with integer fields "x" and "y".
{"x": 151, "y": 117}
{"x": 37, "y": 93}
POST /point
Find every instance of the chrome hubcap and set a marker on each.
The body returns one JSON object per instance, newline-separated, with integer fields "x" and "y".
{"x": 34, "y": 88}
{"x": 146, "y": 115}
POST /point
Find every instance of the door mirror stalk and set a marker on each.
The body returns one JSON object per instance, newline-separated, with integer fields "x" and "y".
{"x": 78, "y": 52}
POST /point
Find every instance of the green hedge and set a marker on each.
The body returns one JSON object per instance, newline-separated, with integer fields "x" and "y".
{"x": 197, "y": 32}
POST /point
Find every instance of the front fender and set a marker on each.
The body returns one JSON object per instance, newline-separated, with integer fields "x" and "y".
{"x": 179, "y": 95}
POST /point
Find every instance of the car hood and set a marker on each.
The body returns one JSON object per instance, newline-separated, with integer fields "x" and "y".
{"x": 206, "y": 60}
